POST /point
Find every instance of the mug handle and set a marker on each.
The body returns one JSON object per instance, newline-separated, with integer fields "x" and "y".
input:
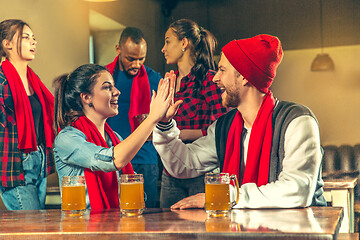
{"x": 234, "y": 178}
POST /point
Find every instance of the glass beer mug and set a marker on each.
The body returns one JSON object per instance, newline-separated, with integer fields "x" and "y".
{"x": 132, "y": 194}
{"x": 73, "y": 194}
{"x": 217, "y": 193}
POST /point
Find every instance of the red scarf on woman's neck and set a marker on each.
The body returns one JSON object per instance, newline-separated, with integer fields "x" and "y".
{"x": 140, "y": 96}
{"x": 102, "y": 187}
{"x": 23, "y": 112}
{"x": 258, "y": 156}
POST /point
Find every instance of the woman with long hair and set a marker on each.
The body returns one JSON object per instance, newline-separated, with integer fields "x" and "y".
{"x": 191, "y": 48}
{"x": 26, "y": 120}
{"x": 86, "y": 145}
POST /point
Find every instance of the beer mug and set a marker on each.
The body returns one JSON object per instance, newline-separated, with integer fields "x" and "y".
{"x": 73, "y": 194}
{"x": 217, "y": 193}
{"x": 132, "y": 194}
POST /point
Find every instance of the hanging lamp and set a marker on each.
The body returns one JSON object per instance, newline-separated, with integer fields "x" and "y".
{"x": 322, "y": 61}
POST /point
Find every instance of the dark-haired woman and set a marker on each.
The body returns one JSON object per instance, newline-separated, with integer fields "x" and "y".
{"x": 86, "y": 145}
{"x": 26, "y": 119}
{"x": 191, "y": 48}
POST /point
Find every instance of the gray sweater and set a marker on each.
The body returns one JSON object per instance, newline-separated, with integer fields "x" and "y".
{"x": 295, "y": 163}
{"x": 283, "y": 114}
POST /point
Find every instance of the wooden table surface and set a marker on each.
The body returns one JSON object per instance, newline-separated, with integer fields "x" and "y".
{"x": 308, "y": 223}
{"x": 340, "y": 183}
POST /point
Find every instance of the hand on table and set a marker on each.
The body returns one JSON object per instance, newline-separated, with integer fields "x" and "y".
{"x": 195, "y": 201}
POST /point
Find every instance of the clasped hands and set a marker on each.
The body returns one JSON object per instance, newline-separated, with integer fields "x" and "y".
{"x": 162, "y": 105}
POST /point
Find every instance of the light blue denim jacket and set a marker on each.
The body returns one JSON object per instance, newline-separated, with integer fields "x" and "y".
{"x": 73, "y": 153}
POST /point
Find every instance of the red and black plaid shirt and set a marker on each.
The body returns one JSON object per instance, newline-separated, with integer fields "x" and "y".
{"x": 202, "y": 111}
{"x": 11, "y": 171}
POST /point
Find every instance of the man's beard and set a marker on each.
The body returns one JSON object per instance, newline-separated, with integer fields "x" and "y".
{"x": 127, "y": 71}
{"x": 231, "y": 99}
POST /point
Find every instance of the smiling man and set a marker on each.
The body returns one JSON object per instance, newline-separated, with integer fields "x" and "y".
{"x": 136, "y": 83}
{"x": 272, "y": 146}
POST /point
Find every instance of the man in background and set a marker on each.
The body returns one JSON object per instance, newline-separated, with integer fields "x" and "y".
{"x": 136, "y": 83}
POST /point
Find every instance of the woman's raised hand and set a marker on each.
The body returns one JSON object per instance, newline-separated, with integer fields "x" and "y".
{"x": 162, "y": 107}
{"x": 173, "y": 106}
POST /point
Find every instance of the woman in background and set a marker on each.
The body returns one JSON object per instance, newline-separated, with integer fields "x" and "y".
{"x": 26, "y": 120}
{"x": 86, "y": 145}
{"x": 191, "y": 48}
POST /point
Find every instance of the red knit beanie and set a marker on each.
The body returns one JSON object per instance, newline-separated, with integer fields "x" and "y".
{"x": 256, "y": 59}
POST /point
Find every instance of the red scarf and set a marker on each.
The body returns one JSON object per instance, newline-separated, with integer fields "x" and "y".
{"x": 23, "y": 112}
{"x": 140, "y": 96}
{"x": 102, "y": 187}
{"x": 258, "y": 156}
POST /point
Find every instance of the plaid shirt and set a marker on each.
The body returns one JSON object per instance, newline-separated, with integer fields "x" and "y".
{"x": 11, "y": 171}
{"x": 201, "y": 112}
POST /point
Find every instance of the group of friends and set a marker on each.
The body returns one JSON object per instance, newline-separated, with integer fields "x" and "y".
{"x": 103, "y": 121}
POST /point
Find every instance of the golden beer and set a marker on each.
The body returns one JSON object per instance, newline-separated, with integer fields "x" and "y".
{"x": 73, "y": 198}
{"x": 133, "y": 197}
{"x": 132, "y": 194}
{"x": 217, "y": 197}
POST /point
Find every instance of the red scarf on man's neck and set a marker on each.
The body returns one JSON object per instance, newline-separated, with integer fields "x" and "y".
{"x": 140, "y": 96}
{"x": 258, "y": 156}
{"x": 23, "y": 112}
{"x": 102, "y": 187}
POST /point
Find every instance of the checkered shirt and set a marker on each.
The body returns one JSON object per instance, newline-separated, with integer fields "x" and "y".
{"x": 202, "y": 111}
{"x": 11, "y": 171}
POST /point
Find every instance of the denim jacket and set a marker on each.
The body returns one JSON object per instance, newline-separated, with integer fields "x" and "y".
{"x": 73, "y": 153}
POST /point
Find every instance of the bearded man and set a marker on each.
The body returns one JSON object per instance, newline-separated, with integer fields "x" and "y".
{"x": 272, "y": 146}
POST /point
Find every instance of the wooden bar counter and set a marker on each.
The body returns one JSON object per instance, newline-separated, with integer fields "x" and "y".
{"x": 308, "y": 223}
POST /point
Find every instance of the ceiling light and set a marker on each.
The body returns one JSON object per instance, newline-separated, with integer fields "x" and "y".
{"x": 322, "y": 61}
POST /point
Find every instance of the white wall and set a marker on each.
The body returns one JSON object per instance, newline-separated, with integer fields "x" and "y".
{"x": 104, "y": 43}
{"x": 61, "y": 28}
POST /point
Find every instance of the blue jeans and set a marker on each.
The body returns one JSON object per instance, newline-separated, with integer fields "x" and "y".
{"x": 150, "y": 173}
{"x": 175, "y": 189}
{"x": 31, "y": 196}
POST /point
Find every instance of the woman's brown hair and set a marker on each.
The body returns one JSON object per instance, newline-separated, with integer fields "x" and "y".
{"x": 8, "y": 29}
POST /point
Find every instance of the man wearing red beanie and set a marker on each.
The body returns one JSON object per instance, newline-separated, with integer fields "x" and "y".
{"x": 272, "y": 146}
